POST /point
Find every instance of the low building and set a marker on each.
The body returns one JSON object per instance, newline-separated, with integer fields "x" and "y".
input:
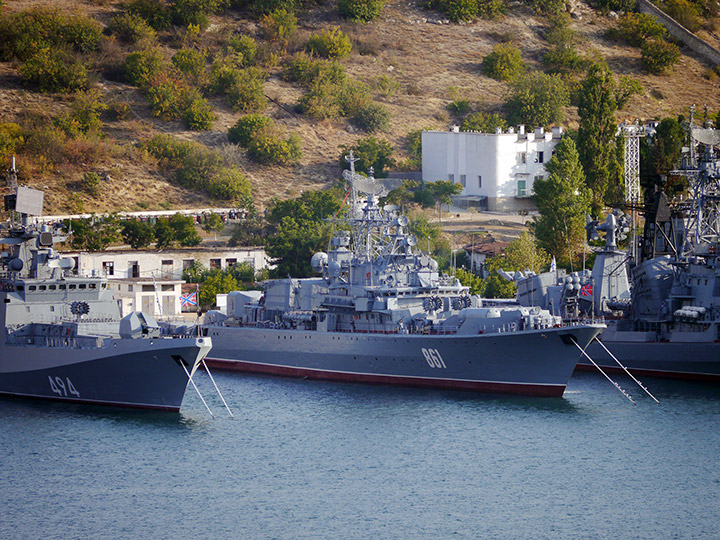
{"x": 496, "y": 170}
{"x": 485, "y": 249}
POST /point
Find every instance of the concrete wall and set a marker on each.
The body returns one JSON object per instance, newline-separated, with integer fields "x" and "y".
{"x": 679, "y": 32}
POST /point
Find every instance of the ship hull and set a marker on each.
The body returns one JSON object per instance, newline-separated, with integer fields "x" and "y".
{"x": 530, "y": 363}
{"x": 692, "y": 361}
{"x": 145, "y": 374}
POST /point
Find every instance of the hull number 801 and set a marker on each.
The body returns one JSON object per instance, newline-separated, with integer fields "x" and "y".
{"x": 433, "y": 358}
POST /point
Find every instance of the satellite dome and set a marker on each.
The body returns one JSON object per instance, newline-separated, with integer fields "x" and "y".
{"x": 319, "y": 261}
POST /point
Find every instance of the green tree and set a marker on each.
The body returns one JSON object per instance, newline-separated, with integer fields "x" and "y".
{"x": 218, "y": 282}
{"x": 563, "y": 201}
{"x": 310, "y": 206}
{"x": 214, "y": 222}
{"x": 370, "y": 152}
{"x": 468, "y": 279}
{"x": 184, "y": 230}
{"x": 164, "y": 234}
{"x": 483, "y": 121}
{"x": 93, "y": 234}
{"x": 661, "y": 154}
{"x": 538, "y": 100}
{"x": 294, "y": 243}
{"x": 504, "y": 63}
{"x": 495, "y": 285}
{"x": 137, "y": 234}
{"x": 525, "y": 253}
{"x": 360, "y": 10}
{"x": 596, "y": 140}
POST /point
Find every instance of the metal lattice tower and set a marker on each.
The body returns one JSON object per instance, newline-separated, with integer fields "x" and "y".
{"x": 632, "y": 134}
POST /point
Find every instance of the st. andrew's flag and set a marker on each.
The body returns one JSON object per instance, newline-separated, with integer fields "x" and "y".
{"x": 553, "y": 265}
{"x": 189, "y": 299}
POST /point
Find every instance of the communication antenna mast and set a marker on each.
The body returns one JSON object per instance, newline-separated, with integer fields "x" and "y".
{"x": 632, "y": 134}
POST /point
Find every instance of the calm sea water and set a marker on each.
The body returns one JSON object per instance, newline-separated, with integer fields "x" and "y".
{"x": 308, "y": 460}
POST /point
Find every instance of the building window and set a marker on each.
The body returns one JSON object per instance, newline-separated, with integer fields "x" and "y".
{"x": 148, "y": 288}
{"x": 130, "y": 288}
{"x": 521, "y": 188}
{"x": 541, "y": 157}
{"x": 479, "y": 181}
{"x": 522, "y": 158}
{"x": 108, "y": 268}
{"x": 230, "y": 263}
{"x": 462, "y": 180}
{"x": 451, "y": 178}
{"x": 167, "y": 288}
{"x": 188, "y": 263}
{"x": 215, "y": 263}
{"x": 134, "y": 269}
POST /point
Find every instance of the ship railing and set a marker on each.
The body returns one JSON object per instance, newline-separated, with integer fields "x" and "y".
{"x": 66, "y": 342}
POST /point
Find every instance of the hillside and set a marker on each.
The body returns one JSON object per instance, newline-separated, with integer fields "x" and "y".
{"x": 422, "y": 52}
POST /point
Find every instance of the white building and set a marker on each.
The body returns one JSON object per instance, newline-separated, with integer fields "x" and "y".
{"x": 498, "y": 169}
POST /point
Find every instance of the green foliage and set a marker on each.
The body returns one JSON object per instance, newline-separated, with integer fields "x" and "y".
{"x": 361, "y": 10}
{"x": 191, "y": 63}
{"x": 372, "y": 117}
{"x": 11, "y": 139}
{"x": 330, "y": 43}
{"x": 265, "y": 7}
{"x": 307, "y": 71}
{"x": 268, "y": 149}
{"x": 659, "y": 56}
{"x": 246, "y": 46}
{"x": 84, "y": 115}
{"x": 430, "y": 236}
{"x": 547, "y": 7}
{"x": 563, "y": 57}
{"x": 278, "y": 26}
{"x": 483, "y": 121}
{"x": 93, "y": 234}
{"x": 563, "y": 201}
{"x": 468, "y": 279}
{"x": 495, "y": 285}
{"x": 137, "y": 234}
{"x": 683, "y": 11}
{"x": 197, "y": 114}
{"x": 370, "y": 152}
{"x": 247, "y": 127}
{"x": 155, "y": 12}
{"x": 216, "y": 282}
{"x": 90, "y": 183}
{"x": 614, "y": 5}
{"x": 131, "y": 28}
{"x": 28, "y": 32}
{"x": 661, "y": 154}
{"x": 141, "y": 67}
{"x": 214, "y": 222}
{"x": 55, "y": 70}
{"x": 504, "y": 63}
{"x": 636, "y": 28}
{"x": 165, "y": 94}
{"x": 248, "y": 233}
{"x": 183, "y": 228}
{"x": 231, "y": 185}
{"x": 626, "y": 88}
{"x": 193, "y": 12}
{"x": 425, "y": 194}
{"x": 164, "y": 236}
{"x": 597, "y": 133}
{"x": 538, "y": 100}
{"x": 247, "y": 91}
{"x": 310, "y": 206}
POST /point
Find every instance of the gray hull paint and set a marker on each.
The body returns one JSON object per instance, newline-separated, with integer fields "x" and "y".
{"x": 128, "y": 373}
{"x": 699, "y": 361}
{"x": 533, "y": 362}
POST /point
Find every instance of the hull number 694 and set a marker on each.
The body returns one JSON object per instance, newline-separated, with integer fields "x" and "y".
{"x": 433, "y": 358}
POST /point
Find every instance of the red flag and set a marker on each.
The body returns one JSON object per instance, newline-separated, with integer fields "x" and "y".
{"x": 587, "y": 290}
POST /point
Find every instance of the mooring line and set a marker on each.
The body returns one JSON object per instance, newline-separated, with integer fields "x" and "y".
{"x": 196, "y": 389}
{"x": 626, "y": 369}
{"x": 623, "y": 392}
{"x": 217, "y": 389}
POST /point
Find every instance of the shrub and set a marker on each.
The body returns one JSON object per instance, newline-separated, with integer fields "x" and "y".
{"x": 247, "y": 91}
{"x": 155, "y": 12}
{"x": 197, "y": 167}
{"x": 270, "y": 150}
{"x": 483, "y": 121}
{"x": 165, "y": 94}
{"x": 306, "y": 71}
{"x": 331, "y": 43}
{"x": 385, "y": 86}
{"x": 230, "y": 184}
{"x": 360, "y": 10}
{"x": 197, "y": 113}
{"x": 245, "y": 46}
{"x": 143, "y": 66}
{"x": 636, "y": 28}
{"x": 278, "y": 26}
{"x": 459, "y": 107}
{"x": 193, "y": 12}
{"x": 504, "y": 63}
{"x": 684, "y": 12}
{"x": 83, "y": 33}
{"x": 191, "y": 63}
{"x": 11, "y": 139}
{"x": 131, "y": 28}
{"x": 372, "y": 117}
{"x": 168, "y": 150}
{"x": 55, "y": 70}
{"x": 320, "y": 102}
{"x": 224, "y": 72}
{"x": 84, "y": 114}
{"x": 659, "y": 56}
{"x": 264, "y": 7}
{"x": 247, "y": 127}
{"x": 547, "y": 7}
{"x": 351, "y": 96}
{"x": 370, "y": 152}
{"x": 538, "y": 100}
{"x": 90, "y": 183}
{"x": 491, "y": 9}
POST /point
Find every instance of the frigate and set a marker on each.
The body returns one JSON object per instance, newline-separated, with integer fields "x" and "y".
{"x": 661, "y": 299}
{"x": 62, "y": 334}
{"x": 380, "y": 311}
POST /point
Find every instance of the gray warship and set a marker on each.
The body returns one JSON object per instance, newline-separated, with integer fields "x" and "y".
{"x": 662, "y": 304}
{"x": 62, "y": 335}
{"x": 381, "y": 312}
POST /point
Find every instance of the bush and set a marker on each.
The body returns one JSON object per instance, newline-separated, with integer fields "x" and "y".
{"x": 193, "y": 12}
{"x": 636, "y": 28}
{"x": 246, "y": 46}
{"x": 538, "y": 100}
{"x": 84, "y": 114}
{"x": 659, "y": 56}
{"x": 270, "y": 150}
{"x": 332, "y": 43}
{"x": 504, "y": 63}
{"x": 306, "y": 71}
{"x": 143, "y": 66}
{"x": 247, "y": 127}
{"x": 131, "y": 28}
{"x": 360, "y": 10}
{"x": 168, "y": 150}
{"x": 198, "y": 167}
{"x": 155, "y": 12}
{"x": 372, "y": 117}
{"x": 11, "y": 139}
{"x": 55, "y": 70}
{"x": 683, "y": 11}
{"x": 370, "y": 152}
{"x": 278, "y": 26}
{"x": 192, "y": 64}
{"x": 247, "y": 91}
{"x": 231, "y": 185}
{"x": 483, "y": 121}
{"x": 351, "y": 96}
{"x": 91, "y": 183}
{"x": 165, "y": 94}
{"x": 264, "y": 7}
{"x": 197, "y": 114}
{"x": 83, "y": 33}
